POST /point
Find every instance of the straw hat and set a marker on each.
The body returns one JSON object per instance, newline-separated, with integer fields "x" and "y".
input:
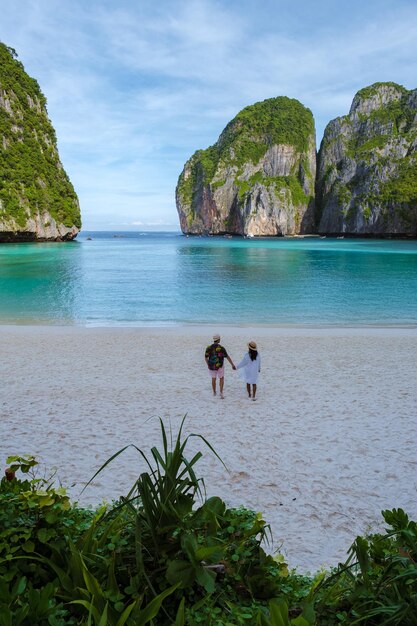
{"x": 216, "y": 337}
{"x": 252, "y": 345}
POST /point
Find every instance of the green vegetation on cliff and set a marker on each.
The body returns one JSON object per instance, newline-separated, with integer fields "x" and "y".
{"x": 382, "y": 123}
{"x": 247, "y": 138}
{"x": 373, "y": 90}
{"x": 279, "y": 184}
{"x": 32, "y": 178}
{"x": 403, "y": 188}
{"x": 368, "y": 164}
{"x": 394, "y": 120}
{"x": 257, "y": 127}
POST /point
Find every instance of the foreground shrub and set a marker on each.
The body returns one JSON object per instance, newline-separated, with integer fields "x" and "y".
{"x": 36, "y": 523}
{"x": 162, "y": 553}
{"x": 378, "y": 583}
{"x": 168, "y": 556}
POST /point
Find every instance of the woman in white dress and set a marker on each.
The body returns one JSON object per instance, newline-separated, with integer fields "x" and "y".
{"x": 251, "y": 366}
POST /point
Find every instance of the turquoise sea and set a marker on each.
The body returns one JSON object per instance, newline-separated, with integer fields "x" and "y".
{"x": 167, "y": 279}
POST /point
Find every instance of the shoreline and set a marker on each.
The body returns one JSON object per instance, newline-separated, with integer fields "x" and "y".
{"x": 208, "y": 327}
{"x": 328, "y": 444}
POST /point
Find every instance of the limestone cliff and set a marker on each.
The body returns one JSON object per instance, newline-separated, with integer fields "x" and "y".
{"x": 367, "y": 166}
{"x": 37, "y": 199}
{"x": 257, "y": 179}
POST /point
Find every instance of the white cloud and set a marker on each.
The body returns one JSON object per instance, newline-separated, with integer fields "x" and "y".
{"x": 134, "y": 88}
{"x": 185, "y": 40}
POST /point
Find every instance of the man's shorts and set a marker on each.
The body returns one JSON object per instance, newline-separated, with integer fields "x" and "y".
{"x": 217, "y": 373}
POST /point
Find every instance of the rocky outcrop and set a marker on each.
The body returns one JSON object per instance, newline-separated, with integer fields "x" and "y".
{"x": 257, "y": 179}
{"x": 37, "y": 199}
{"x": 367, "y": 166}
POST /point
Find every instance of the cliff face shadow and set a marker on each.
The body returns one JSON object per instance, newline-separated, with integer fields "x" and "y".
{"x": 308, "y": 223}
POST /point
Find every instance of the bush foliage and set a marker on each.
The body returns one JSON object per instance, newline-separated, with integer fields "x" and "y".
{"x": 166, "y": 555}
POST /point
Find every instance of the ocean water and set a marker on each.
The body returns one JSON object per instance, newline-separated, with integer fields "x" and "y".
{"x": 167, "y": 279}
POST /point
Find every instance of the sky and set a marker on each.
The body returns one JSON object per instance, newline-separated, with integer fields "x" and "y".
{"x": 134, "y": 87}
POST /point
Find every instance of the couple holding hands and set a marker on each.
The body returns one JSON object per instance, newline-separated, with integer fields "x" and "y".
{"x": 250, "y": 366}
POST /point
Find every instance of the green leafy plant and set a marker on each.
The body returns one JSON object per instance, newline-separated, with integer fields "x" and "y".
{"x": 162, "y": 554}
{"x": 168, "y": 556}
{"x": 378, "y": 582}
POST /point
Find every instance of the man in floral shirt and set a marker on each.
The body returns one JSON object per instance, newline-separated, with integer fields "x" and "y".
{"x": 214, "y": 356}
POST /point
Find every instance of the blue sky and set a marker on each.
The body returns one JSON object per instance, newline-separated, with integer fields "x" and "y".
{"x": 135, "y": 87}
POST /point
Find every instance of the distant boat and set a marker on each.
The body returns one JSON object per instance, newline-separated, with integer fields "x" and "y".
{"x": 250, "y": 235}
{"x": 340, "y": 237}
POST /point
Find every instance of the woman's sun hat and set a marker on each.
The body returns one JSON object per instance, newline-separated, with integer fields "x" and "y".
{"x": 252, "y": 345}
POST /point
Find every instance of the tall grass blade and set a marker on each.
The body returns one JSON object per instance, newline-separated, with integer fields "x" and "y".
{"x": 152, "y": 609}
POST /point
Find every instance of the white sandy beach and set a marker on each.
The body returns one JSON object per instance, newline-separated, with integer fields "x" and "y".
{"x": 330, "y": 442}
